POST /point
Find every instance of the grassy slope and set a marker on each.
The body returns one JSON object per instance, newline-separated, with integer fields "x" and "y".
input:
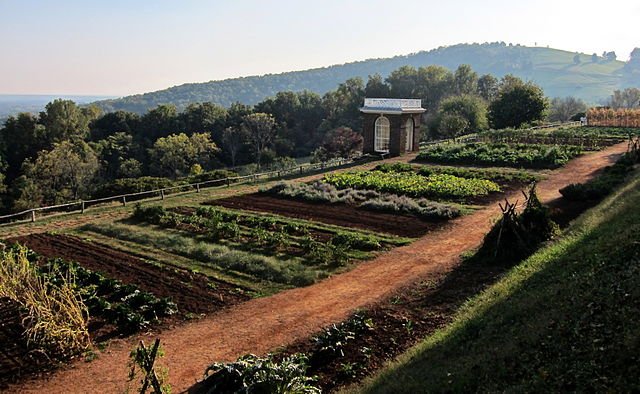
{"x": 568, "y": 318}
{"x": 553, "y": 69}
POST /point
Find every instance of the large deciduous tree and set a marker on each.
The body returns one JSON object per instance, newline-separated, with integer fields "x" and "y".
{"x": 517, "y": 103}
{"x": 471, "y": 109}
{"x": 21, "y": 138}
{"x": 174, "y": 155}
{"x": 465, "y": 80}
{"x": 261, "y": 130}
{"x": 63, "y": 173}
{"x": 233, "y": 140}
{"x": 488, "y": 87}
{"x": 64, "y": 120}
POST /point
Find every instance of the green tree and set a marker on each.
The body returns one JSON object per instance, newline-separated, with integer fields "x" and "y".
{"x": 114, "y": 150}
{"x": 114, "y": 122}
{"x": 261, "y": 130}
{"x": 488, "y": 87}
{"x": 403, "y": 82}
{"x": 376, "y": 87}
{"x": 465, "y": 80}
{"x": 517, "y": 103}
{"x": 63, "y": 173}
{"x": 233, "y": 140}
{"x": 452, "y": 125}
{"x": 204, "y": 117}
{"x": 174, "y": 155}
{"x": 157, "y": 123}
{"x": 433, "y": 84}
{"x": 470, "y": 108}
{"x": 64, "y": 120}
{"x": 342, "y": 105}
{"x": 21, "y": 138}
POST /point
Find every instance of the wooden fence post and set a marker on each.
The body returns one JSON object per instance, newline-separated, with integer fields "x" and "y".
{"x": 162, "y": 194}
{"x": 124, "y": 201}
{"x": 198, "y": 187}
{"x": 82, "y": 207}
{"x": 228, "y": 182}
{"x": 33, "y": 216}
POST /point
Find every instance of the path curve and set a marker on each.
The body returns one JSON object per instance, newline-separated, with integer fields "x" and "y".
{"x": 264, "y": 324}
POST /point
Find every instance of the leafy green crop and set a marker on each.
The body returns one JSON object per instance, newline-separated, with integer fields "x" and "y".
{"x": 438, "y": 186}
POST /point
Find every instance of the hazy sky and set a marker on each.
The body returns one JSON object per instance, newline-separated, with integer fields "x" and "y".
{"x": 117, "y": 47}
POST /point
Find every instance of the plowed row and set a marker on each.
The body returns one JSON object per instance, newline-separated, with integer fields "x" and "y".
{"x": 336, "y": 214}
{"x": 192, "y": 292}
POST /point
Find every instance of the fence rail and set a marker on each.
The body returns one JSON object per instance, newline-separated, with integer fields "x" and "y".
{"x": 82, "y": 205}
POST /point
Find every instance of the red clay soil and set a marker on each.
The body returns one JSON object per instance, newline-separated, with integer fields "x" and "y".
{"x": 192, "y": 292}
{"x": 264, "y": 324}
{"x": 336, "y": 214}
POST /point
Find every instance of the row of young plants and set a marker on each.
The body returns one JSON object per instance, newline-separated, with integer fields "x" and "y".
{"x": 436, "y": 186}
{"x": 370, "y": 200}
{"x": 499, "y": 154}
{"x": 123, "y": 305}
{"x": 499, "y": 175}
{"x": 287, "y": 373}
{"x": 588, "y": 138}
{"x": 263, "y": 231}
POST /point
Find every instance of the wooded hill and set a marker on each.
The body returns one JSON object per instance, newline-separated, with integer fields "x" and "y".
{"x": 558, "y": 72}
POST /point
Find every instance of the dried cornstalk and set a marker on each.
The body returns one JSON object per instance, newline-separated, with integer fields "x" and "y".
{"x": 56, "y": 318}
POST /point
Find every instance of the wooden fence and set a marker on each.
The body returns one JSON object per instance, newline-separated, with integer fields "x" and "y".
{"x": 30, "y": 215}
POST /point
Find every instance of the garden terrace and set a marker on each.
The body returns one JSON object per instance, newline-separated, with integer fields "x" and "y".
{"x": 319, "y": 192}
{"x": 505, "y": 177}
{"x": 191, "y": 292}
{"x": 497, "y": 154}
{"x": 587, "y": 138}
{"x": 265, "y": 253}
{"x": 341, "y": 215}
{"x": 436, "y": 186}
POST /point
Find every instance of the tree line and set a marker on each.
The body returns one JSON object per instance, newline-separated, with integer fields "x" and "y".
{"x": 68, "y": 151}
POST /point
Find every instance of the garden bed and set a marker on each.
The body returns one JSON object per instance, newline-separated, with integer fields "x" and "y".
{"x": 192, "y": 292}
{"x": 335, "y": 214}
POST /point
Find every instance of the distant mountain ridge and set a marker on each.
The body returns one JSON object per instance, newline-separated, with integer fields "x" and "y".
{"x": 553, "y": 69}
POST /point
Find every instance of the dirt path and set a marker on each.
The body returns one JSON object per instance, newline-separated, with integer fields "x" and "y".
{"x": 261, "y": 325}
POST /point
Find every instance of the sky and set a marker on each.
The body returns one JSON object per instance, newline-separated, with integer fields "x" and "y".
{"x": 122, "y": 47}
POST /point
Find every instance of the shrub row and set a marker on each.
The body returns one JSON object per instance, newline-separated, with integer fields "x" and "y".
{"x": 497, "y": 154}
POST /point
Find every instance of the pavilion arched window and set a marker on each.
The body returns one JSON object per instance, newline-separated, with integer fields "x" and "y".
{"x": 382, "y": 134}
